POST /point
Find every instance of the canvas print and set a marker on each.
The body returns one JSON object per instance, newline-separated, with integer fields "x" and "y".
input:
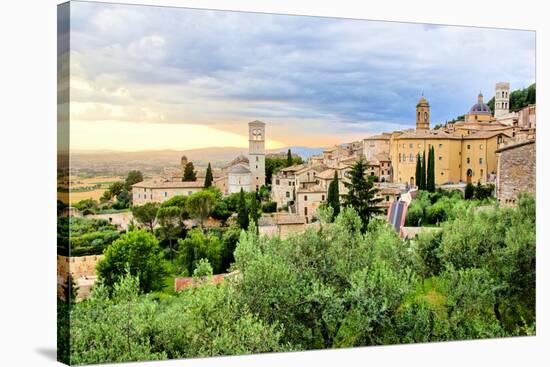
{"x": 238, "y": 183}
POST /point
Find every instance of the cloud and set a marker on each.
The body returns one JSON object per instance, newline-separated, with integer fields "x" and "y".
{"x": 185, "y": 66}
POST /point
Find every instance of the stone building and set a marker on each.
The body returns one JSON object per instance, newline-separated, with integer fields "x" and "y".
{"x": 459, "y": 156}
{"x": 159, "y": 190}
{"x": 516, "y": 171}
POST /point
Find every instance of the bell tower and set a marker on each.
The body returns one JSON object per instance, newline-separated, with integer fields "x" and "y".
{"x": 502, "y": 99}
{"x": 422, "y": 114}
{"x": 256, "y": 154}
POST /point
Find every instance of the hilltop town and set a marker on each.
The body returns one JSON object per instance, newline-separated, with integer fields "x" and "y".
{"x": 483, "y": 148}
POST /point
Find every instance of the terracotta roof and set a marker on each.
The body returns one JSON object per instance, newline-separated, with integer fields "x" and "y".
{"x": 326, "y": 174}
{"x": 379, "y": 137}
{"x": 516, "y": 145}
{"x": 331, "y": 149}
{"x": 316, "y": 167}
{"x": 290, "y": 219}
{"x": 427, "y": 134}
{"x": 153, "y": 184}
{"x": 293, "y": 168}
{"x": 484, "y": 135}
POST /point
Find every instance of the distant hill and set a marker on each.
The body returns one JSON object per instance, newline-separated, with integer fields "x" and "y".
{"x": 155, "y": 161}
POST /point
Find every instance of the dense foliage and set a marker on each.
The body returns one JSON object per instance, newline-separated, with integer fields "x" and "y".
{"x": 350, "y": 282}
{"x": 84, "y": 236}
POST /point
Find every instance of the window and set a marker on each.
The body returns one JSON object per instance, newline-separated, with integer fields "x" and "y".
{"x": 481, "y": 173}
{"x": 287, "y": 194}
{"x": 305, "y": 210}
{"x": 440, "y": 146}
{"x": 441, "y": 173}
{"x": 256, "y": 166}
{"x": 411, "y": 146}
{"x": 480, "y": 160}
{"x": 322, "y": 197}
{"x": 165, "y": 194}
{"x": 277, "y": 182}
{"x": 256, "y": 158}
{"x": 411, "y": 157}
{"x": 372, "y": 173}
{"x": 440, "y": 158}
{"x": 387, "y": 198}
{"x": 468, "y": 160}
{"x": 305, "y": 197}
{"x": 289, "y": 183}
{"x": 468, "y": 146}
{"x": 425, "y": 116}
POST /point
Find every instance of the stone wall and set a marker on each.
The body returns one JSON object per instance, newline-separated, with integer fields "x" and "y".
{"x": 82, "y": 269}
{"x": 516, "y": 171}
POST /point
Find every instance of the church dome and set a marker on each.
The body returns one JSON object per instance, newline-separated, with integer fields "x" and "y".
{"x": 240, "y": 159}
{"x": 480, "y": 108}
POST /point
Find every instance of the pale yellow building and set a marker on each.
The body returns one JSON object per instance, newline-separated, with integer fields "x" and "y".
{"x": 459, "y": 156}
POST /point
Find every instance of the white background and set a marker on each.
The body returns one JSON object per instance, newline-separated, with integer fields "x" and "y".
{"x": 28, "y": 182}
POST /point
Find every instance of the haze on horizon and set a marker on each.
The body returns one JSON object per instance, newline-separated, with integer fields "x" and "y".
{"x": 155, "y": 78}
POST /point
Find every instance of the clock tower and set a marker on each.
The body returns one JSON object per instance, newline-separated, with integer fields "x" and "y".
{"x": 256, "y": 154}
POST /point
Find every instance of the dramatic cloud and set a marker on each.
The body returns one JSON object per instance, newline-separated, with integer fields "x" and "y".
{"x": 303, "y": 75}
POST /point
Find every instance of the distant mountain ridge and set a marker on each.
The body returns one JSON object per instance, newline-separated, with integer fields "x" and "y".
{"x": 218, "y": 156}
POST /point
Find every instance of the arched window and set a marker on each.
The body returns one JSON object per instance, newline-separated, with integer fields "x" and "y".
{"x": 418, "y": 116}
{"x": 425, "y": 116}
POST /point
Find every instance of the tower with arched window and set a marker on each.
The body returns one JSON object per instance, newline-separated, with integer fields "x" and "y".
{"x": 502, "y": 99}
{"x": 256, "y": 153}
{"x": 422, "y": 114}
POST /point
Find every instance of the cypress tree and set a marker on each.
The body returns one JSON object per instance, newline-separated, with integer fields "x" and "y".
{"x": 418, "y": 173}
{"x": 289, "y": 158}
{"x": 189, "y": 173}
{"x": 430, "y": 184}
{"x": 242, "y": 214}
{"x": 254, "y": 214}
{"x": 423, "y": 173}
{"x": 333, "y": 197}
{"x": 209, "y": 177}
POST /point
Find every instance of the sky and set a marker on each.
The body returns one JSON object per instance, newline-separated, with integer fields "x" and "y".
{"x": 152, "y": 78}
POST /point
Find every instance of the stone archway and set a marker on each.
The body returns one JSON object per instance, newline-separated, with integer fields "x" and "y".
{"x": 469, "y": 174}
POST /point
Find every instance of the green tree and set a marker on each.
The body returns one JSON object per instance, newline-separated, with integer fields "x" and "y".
{"x": 418, "y": 172}
{"x": 430, "y": 179}
{"x": 254, "y": 209}
{"x": 198, "y": 245}
{"x": 169, "y": 219}
{"x": 203, "y": 269}
{"x": 133, "y": 177}
{"x": 146, "y": 215}
{"x": 289, "y": 161}
{"x": 209, "y": 177}
{"x": 242, "y": 214}
{"x": 200, "y": 205}
{"x": 469, "y": 191}
{"x": 189, "y": 173}
{"x": 333, "y": 195}
{"x": 361, "y": 194}
{"x": 140, "y": 254}
{"x": 116, "y": 188}
{"x": 123, "y": 200}
{"x": 422, "y": 185}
